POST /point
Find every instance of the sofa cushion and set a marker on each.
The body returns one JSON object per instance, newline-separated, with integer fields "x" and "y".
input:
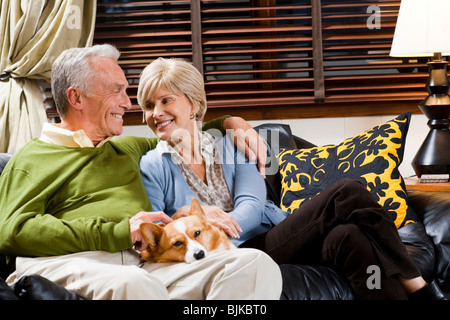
{"x": 304, "y": 282}
{"x": 371, "y": 157}
{"x": 419, "y": 246}
{"x": 5, "y": 268}
{"x": 276, "y": 136}
{"x": 4, "y": 158}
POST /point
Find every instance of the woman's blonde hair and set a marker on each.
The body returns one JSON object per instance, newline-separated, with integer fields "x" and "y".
{"x": 179, "y": 77}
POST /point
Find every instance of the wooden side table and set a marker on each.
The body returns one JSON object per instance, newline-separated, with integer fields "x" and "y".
{"x": 414, "y": 184}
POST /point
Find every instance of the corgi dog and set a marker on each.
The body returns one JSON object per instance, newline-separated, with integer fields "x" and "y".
{"x": 186, "y": 239}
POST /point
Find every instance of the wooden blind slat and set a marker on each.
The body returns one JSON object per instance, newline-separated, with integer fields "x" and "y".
{"x": 237, "y": 30}
{"x": 257, "y": 50}
{"x": 206, "y": 22}
{"x": 358, "y": 4}
{"x": 254, "y": 39}
{"x": 229, "y": 9}
{"x": 243, "y": 81}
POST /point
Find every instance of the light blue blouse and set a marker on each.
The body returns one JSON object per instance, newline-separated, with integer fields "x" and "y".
{"x": 168, "y": 189}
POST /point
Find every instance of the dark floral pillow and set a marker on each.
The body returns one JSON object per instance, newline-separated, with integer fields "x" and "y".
{"x": 371, "y": 157}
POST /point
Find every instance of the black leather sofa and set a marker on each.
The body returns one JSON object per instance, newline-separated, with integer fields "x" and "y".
{"x": 427, "y": 241}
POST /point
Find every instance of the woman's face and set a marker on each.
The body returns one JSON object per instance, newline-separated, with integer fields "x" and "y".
{"x": 169, "y": 115}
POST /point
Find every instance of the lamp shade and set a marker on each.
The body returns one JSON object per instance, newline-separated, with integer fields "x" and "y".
{"x": 423, "y": 28}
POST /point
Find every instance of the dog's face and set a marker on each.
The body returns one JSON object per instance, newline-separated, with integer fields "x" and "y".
{"x": 186, "y": 239}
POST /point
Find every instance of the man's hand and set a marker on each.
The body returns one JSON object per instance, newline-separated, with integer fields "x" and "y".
{"x": 144, "y": 217}
{"x": 248, "y": 140}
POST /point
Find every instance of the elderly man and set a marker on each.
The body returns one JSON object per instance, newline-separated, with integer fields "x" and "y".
{"x": 72, "y": 201}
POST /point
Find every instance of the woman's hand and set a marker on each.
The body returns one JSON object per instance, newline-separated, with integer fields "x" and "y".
{"x": 223, "y": 220}
{"x": 216, "y": 217}
{"x": 144, "y": 217}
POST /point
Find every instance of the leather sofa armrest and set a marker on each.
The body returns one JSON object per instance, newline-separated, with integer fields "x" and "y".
{"x": 305, "y": 282}
{"x": 425, "y": 203}
{"x": 433, "y": 209}
{"x": 6, "y": 293}
{"x": 420, "y": 248}
{"x": 35, "y": 287}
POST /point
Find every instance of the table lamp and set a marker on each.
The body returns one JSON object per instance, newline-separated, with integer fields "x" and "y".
{"x": 423, "y": 30}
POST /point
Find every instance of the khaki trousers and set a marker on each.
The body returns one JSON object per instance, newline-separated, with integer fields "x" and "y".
{"x": 226, "y": 275}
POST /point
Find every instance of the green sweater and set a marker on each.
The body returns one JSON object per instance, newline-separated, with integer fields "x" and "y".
{"x": 56, "y": 200}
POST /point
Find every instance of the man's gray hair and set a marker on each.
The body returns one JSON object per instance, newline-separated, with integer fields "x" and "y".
{"x": 72, "y": 69}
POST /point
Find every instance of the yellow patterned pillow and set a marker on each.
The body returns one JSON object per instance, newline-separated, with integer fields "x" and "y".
{"x": 371, "y": 157}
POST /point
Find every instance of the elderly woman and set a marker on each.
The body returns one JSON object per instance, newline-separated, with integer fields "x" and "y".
{"x": 343, "y": 226}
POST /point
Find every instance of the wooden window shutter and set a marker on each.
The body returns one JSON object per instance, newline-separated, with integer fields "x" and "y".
{"x": 257, "y": 54}
{"x": 271, "y": 59}
{"x": 144, "y": 31}
{"x": 357, "y": 37}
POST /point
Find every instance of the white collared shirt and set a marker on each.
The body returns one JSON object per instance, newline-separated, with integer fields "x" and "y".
{"x": 52, "y": 133}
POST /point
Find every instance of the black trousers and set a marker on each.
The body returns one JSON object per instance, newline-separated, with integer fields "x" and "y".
{"x": 345, "y": 228}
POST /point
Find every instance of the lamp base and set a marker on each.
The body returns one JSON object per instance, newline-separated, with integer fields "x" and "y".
{"x": 433, "y": 156}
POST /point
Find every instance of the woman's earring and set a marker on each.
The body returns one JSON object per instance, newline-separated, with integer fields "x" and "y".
{"x": 194, "y": 115}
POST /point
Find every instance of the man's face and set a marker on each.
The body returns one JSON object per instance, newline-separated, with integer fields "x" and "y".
{"x": 107, "y": 100}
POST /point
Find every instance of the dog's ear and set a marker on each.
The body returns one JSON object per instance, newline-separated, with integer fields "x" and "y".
{"x": 152, "y": 233}
{"x": 196, "y": 209}
{"x": 182, "y": 212}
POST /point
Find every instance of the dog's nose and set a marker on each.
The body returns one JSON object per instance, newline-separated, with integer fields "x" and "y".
{"x": 199, "y": 255}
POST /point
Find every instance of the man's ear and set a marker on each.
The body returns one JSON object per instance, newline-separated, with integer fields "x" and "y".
{"x": 152, "y": 233}
{"x": 196, "y": 209}
{"x": 74, "y": 98}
